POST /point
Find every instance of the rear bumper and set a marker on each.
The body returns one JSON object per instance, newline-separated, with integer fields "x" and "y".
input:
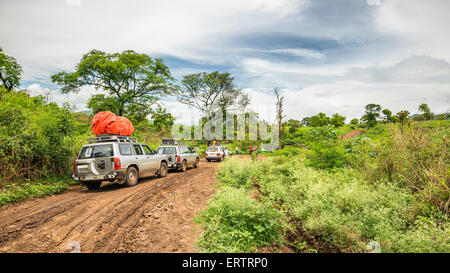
{"x": 101, "y": 177}
{"x": 213, "y": 157}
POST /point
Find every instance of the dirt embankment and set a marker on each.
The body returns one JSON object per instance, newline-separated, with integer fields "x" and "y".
{"x": 154, "y": 216}
{"x": 352, "y": 134}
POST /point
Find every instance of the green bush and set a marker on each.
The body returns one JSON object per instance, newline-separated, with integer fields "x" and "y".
{"x": 327, "y": 156}
{"x": 233, "y": 222}
{"x": 38, "y": 141}
{"x": 341, "y": 208}
{"x": 36, "y": 138}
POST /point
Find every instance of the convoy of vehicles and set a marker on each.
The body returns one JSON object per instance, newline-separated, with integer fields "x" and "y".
{"x": 123, "y": 160}
{"x": 117, "y": 159}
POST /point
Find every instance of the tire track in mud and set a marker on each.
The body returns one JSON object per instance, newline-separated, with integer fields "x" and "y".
{"x": 114, "y": 218}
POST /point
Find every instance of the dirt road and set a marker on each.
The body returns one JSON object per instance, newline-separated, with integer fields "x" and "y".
{"x": 154, "y": 216}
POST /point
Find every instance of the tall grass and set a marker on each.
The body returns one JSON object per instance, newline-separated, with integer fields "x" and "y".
{"x": 340, "y": 209}
{"x": 416, "y": 157}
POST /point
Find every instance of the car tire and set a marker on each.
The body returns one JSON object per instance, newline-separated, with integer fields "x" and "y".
{"x": 132, "y": 177}
{"x": 163, "y": 170}
{"x": 196, "y": 162}
{"x": 93, "y": 185}
{"x": 183, "y": 166}
{"x": 209, "y": 160}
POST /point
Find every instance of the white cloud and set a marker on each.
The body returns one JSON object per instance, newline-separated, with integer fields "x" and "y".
{"x": 79, "y": 100}
{"x": 423, "y": 25}
{"x": 324, "y": 57}
{"x": 414, "y": 69}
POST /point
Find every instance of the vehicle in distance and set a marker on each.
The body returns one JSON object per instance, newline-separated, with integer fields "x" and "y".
{"x": 119, "y": 159}
{"x": 179, "y": 155}
{"x": 215, "y": 153}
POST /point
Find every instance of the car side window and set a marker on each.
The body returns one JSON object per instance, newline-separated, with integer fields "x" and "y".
{"x": 125, "y": 149}
{"x": 138, "y": 149}
{"x": 191, "y": 150}
{"x": 186, "y": 150}
{"x": 147, "y": 150}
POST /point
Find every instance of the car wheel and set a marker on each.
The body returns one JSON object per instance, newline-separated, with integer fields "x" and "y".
{"x": 183, "y": 166}
{"x": 132, "y": 177}
{"x": 209, "y": 160}
{"x": 196, "y": 163}
{"x": 163, "y": 170}
{"x": 93, "y": 185}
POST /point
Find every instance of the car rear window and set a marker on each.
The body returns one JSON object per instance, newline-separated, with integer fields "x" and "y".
{"x": 212, "y": 149}
{"x": 95, "y": 151}
{"x": 166, "y": 150}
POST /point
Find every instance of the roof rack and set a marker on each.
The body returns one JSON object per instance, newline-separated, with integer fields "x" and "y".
{"x": 112, "y": 138}
{"x": 170, "y": 141}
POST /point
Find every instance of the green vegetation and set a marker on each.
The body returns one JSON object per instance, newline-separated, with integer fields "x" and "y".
{"x": 388, "y": 185}
{"x": 233, "y": 222}
{"x": 38, "y": 142}
{"x": 10, "y": 71}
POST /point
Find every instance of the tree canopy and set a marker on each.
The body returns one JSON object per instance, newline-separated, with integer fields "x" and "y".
{"x": 337, "y": 120}
{"x": 207, "y": 90}
{"x": 319, "y": 120}
{"x": 130, "y": 79}
{"x": 10, "y": 71}
{"x": 162, "y": 119}
{"x": 371, "y": 115}
{"x": 426, "y": 112}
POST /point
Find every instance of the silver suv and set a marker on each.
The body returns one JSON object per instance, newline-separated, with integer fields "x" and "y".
{"x": 215, "y": 153}
{"x": 117, "y": 159}
{"x": 179, "y": 155}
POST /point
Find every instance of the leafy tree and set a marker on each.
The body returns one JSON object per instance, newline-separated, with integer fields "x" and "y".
{"x": 337, "y": 120}
{"x": 100, "y": 103}
{"x": 425, "y": 109}
{"x": 354, "y": 123}
{"x": 10, "y": 71}
{"x": 402, "y": 116}
{"x": 387, "y": 115}
{"x": 319, "y": 120}
{"x": 305, "y": 121}
{"x": 371, "y": 115}
{"x": 293, "y": 125}
{"x": 207, "y": 90}
{"x": 130, "y": 78}
{"x": 162, "y": 119}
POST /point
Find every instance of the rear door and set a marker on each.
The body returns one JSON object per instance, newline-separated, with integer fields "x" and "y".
{"x": 96, "y": 159}
{"x": 127, "y": 155}
{"x": 212, "y": 151}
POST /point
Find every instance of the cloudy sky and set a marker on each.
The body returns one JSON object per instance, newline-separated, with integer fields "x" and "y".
{"x": 326, "y": 56}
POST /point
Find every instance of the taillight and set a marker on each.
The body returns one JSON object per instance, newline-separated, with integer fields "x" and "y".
{"x": 219, "y": 154}
{"x": 75, "y": 166}
{"x": 178, "y": 158}
{"x": 206, "y": 154}
{"x": 117, "y": 164}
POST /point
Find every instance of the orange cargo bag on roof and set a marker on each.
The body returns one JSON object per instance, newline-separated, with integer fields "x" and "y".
{"x": 124, "y": 126}
{"x": 104, "y": 123}
{"x": 109, "y": 123}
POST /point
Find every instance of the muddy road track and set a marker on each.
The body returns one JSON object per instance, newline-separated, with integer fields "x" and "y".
{"x": 154, "y": 216}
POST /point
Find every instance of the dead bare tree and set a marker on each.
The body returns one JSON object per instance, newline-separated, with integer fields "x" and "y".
{"x": 280, "y": 115}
